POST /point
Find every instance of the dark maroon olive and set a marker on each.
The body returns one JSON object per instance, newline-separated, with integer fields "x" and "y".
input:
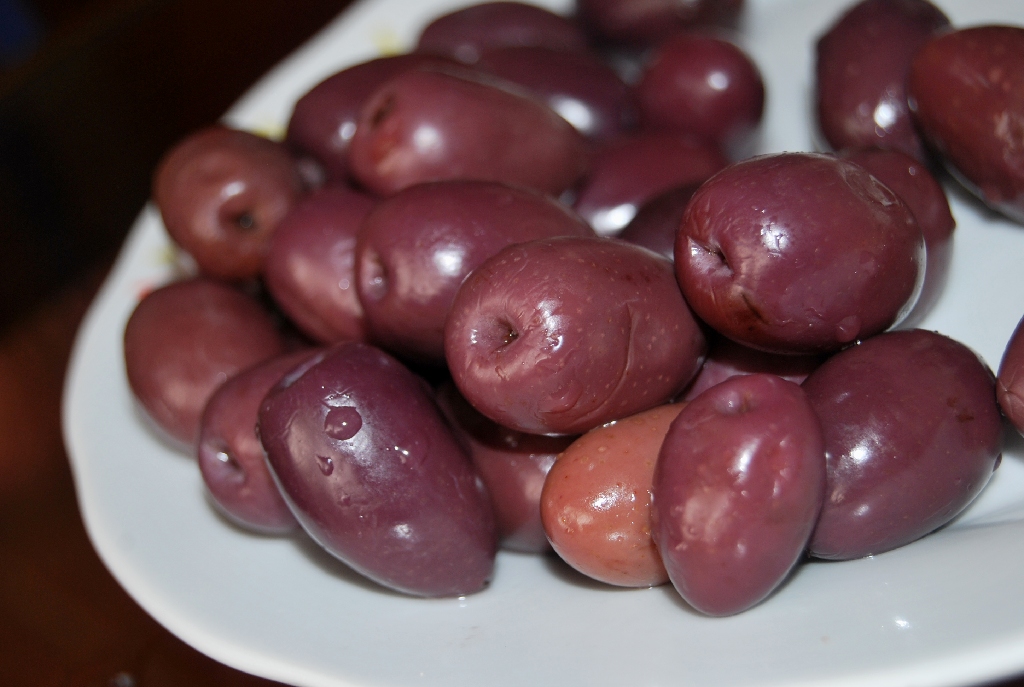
{"x": 862, "y": 65}
{"x": 221, "y": 193}
{"x": 184, "y": 340}
{"x": 323, "y": 120}
{"x": 465, "y": 33}
{"x": 704, "y": 86}
{"x": 647, "y": 22}
{"x": 912, "y": 435}
{"x": 417, "y": 246}
{"x": 373, "y": 473}
{"x": 557, "y": 336}
{"x": 230, "y": 455}
{"x": 727, "y": 359}
{"x": 657, "y": 222}
{"x": 577, "y": 85}
{"x": 1010, "y": 388}
{"x": 737, "y": 489}
{"x": 798, "y": 253}
{"x": 920, "y": 190}
{"x": 967, "y": 91}
{"x": 632, "y": 170}
{"x": 512, "y": 464}
{"x": 311, "y": 268}
{"x": 431, "y": 125}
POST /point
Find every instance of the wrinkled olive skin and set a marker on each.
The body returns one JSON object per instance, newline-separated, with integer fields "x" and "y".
{"x": 311, "y": 268}
{"x": 596, "y": 503}
{"x": 373, "y": 473}
{"x": 432, "y": 125}
{"x": 184, "y": 340}
{"x": 557, "y": 336}
{"x": 737, "y": 489}
{"x": 967, "y": 91}
{"x": 914, "y": 183}
{"x": 578, "y": 85}
{"x": 230, "y": 455}
{"x": 323, "y": 120}
{"x": 1010, "y": 386}
{"x": 513, "y": 466}
{"x": 912, "y": 435}
{"x": 798, "y": 253}
{"x": 466, "y": 33}
{"x": 862, "y": 65}
{"x": 416, "y": 247}
{"x": 633, "y": 169}
{"x": 648, "y": 22}
{"x": 221, "y": 193}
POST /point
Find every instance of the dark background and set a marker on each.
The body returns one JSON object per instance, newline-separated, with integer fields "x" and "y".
{"x": 92, "y": 92}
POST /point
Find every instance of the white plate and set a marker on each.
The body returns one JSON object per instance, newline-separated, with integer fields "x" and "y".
{"x": 946, "y": 610}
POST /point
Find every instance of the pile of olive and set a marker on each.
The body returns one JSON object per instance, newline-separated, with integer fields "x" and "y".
{"x": 524, "y": 287}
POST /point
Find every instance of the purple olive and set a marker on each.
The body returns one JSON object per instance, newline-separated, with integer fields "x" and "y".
{"x": 323, "y": 120}
{"x": 230, "y": 455}
{"x": 1010, "y": 388}
{"x": 703, "y": 86}
{"x": 184, "y": 340}
{"x": 466, "y": 33}
{"x": 373, "y": 473}
{"x": 221, "y": 193}
{"x": 912, "y": 435}
{"x": 311, "y": 268}
{"x": 432, "y": 125}
{"x": 737, "y": 489}
{"x": 966, "y": 89}
{"x": 578, "y": 85}
{"x": 512, "y": 464}
{"x": 862, "y": 65}
{"x": 798, "y": 253}
{"x": 557, "y": 336}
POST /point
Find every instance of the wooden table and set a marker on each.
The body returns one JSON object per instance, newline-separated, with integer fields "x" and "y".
{"x": 81, "y": 127}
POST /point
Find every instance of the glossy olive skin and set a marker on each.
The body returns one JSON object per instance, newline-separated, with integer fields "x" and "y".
{"x": 373, "y": 473}
{"x": 415, "y": 248}
{"x": 737, "y": 488}
{"x": 513, "y": 466}
{"x": 230, "y": 455}
{"x": 656, "y": 223}
{"x": 557, "y": 336}
{"x": 596, "y": 503}
{"x": 633, "y": 169}
{"x": 914, "y": 183}
{"x": 861, "y": 72}
{"x": 466, "y": 33}
{"x": 184, "y": 340}
{"x": 728, "y": 359}
{"x": 704, "y": 86}
{"x": 323, "y": 120}
{"x": 912, "y": 435}
{"x": 967, "y": 92}
{"x": 578, "y": 85}
{"x": 432, "y": 125}
{"x": 1010, "y": 382}
{"x": 798, "y": 253}
{"x": 221, "y": 193}
{"x": 648, "y": 22}
{"x": 311, "y": 268}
